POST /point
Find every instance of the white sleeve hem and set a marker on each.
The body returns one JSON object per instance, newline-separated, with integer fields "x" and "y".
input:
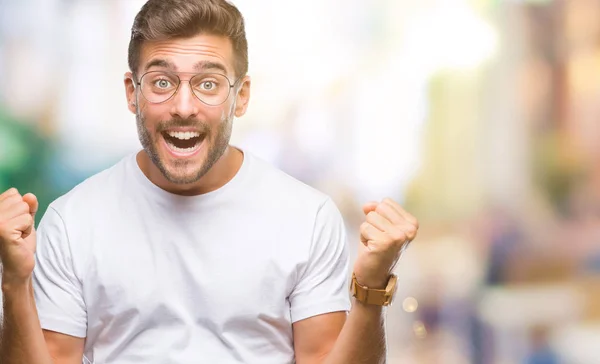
{"x": 320, "y": 308}
{"x": 60, "y": 326}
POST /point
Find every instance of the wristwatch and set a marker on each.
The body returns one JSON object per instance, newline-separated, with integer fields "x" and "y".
{"x": 371, "y": 296}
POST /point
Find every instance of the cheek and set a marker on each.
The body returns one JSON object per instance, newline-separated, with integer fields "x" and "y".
{"x": 152, "y": 116}
{"x": 213, "y": 114}
{"x": 227, "y": 111}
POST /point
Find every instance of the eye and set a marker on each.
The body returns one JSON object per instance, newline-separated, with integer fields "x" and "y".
{"x": 162, "y": 83}
{"x": 208, "y": 85}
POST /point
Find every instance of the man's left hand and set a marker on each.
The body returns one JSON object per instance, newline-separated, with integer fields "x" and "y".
{"x": 384, "y": 235}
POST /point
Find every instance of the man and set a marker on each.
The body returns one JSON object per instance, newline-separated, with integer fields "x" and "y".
{"x": 193, "y": 251}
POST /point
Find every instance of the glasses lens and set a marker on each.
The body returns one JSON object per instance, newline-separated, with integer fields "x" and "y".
{"x": 210, "y": 88}
{"x": 158, "y": 86}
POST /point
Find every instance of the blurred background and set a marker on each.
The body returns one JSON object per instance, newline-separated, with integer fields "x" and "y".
{"x": 482, "y": 117}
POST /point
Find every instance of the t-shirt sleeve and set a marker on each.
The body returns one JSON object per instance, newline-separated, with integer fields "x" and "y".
{"x": 323, "y": 284}
{"x": 58, "y": 290}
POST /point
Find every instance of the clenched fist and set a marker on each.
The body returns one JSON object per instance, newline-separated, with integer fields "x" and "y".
{"x": 17, "y": 235}
{"x": 384, "y": 235}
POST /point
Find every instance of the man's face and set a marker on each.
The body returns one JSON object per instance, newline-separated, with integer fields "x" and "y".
{"x": 183, "y": 136}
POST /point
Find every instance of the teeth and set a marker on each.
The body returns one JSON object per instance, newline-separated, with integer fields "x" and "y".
{"x": 183, "y": 150}
{"x": 183, "y": 135}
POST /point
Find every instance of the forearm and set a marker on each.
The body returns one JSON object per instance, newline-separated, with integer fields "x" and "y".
{"x": 362, "y": 339}
{"x": 21, "y": 338}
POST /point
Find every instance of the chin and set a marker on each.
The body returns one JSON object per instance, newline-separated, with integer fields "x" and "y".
{"x": 183, "y": 171}
{"x": 182, "y": 179}
{"x": 179, "y": 167}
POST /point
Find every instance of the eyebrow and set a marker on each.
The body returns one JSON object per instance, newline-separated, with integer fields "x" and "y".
{"x": 200, "y": 66}
{"x": 158, "y": 62}
{"x": 208, "y": 65}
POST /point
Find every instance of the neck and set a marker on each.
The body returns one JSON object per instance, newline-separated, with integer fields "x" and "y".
{"x": 221, "y": 172}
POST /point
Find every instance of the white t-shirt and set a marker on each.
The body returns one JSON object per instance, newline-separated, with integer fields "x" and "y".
{"x": 152, "y": 277}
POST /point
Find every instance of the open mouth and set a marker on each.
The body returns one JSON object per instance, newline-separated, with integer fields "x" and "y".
{"x": 183, "y": 142}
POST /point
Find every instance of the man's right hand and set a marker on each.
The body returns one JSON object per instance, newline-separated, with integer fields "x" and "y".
{"x": 17, "y": 236}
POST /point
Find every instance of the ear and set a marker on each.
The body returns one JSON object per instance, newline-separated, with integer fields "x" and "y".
{"x": 243, "y": 97}
{"x": 130, "y": 89}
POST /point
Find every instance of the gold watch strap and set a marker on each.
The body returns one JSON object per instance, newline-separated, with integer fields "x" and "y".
{"x": 371, "y": 296}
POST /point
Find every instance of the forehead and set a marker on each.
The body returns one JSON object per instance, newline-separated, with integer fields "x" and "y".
{"x": 188, "y": 54}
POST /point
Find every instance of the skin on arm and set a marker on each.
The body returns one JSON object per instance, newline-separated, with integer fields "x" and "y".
{"x": 340, "y": 338}
{"x": 64, "y": 349}
{"x": 315, "y": 336}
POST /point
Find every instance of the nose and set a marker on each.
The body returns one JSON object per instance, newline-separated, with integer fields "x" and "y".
{"x": 184, "y": 103}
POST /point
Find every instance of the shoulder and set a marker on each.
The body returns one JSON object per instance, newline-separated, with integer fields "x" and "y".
{"x": 93, "y": 191}
{"x": 274, "y": 184}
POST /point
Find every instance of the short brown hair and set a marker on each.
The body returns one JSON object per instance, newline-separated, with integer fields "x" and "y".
{"x": 170, "y": 19}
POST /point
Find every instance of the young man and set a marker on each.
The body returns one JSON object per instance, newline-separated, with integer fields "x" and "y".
{"x": 193, "y": 251}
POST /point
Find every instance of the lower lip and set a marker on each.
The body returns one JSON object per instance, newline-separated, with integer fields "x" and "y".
{"x": 180, "y": 154}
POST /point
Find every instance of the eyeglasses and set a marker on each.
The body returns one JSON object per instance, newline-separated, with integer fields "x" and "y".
{"x": 160, "y": 86}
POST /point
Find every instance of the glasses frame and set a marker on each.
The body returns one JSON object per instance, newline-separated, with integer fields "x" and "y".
{"x": 180, "y": 81}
